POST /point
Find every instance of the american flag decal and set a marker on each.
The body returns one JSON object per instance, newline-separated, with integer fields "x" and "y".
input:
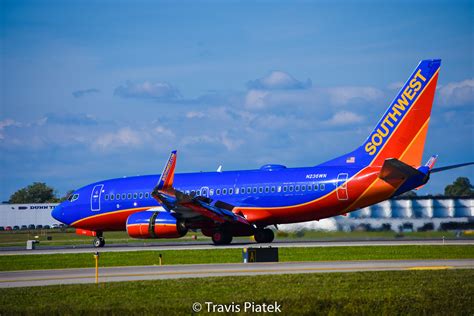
{"x": 350, "y": 160}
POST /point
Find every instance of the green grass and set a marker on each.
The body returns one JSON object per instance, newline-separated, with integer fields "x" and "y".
{"x": 446, "y": 292}
{"x": 108, "y": 259}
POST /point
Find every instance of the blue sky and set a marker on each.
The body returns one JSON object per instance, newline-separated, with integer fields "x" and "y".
{"x": 100, "y": 89}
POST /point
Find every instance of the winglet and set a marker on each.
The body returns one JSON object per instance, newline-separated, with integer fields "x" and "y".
{"x": 167, "y": 176}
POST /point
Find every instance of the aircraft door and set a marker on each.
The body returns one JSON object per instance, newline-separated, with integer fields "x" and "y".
{"x": 205, "y": 191}
{"x": 95, "y": 197}
{"x": 341, "y": 190}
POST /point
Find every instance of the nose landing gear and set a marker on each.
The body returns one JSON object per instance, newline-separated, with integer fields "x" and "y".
{"x": 99, "y": 241}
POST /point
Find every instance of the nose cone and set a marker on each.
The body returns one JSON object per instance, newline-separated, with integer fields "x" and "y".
{"x": 58, "y": 213}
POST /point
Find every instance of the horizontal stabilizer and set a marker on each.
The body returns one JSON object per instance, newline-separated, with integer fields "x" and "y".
{"x": 452, "y": 167}
{"x": 393, "y": 170}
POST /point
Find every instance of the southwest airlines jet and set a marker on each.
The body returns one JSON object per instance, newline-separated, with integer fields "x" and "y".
{"x": 245, "y": 203}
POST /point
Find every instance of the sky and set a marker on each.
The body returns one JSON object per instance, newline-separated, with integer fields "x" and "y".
{"x": 92, "y": 90}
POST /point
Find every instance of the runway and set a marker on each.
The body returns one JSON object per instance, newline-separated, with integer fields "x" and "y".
{"x": 115, "y": 274}
{"x": 207, "y": 245}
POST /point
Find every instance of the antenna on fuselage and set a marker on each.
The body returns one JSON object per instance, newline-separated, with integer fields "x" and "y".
{"x": 219, "y": 169}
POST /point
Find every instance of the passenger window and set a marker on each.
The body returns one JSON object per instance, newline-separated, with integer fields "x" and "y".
{"x": 255, "y": 190}
{"x": 106, "y": 197}
{"x": 111, "y": 196}
{"x": 129, "y": 196}
{"x": 218, "y": 191}
{"x": 321, "y": 186}
{"x": 124, "y": 196}
{"x": 135, "y": 196}
{"x": 291, "y": 188}
{"x": 141, "y": 195}
{"x": 224, "y": 191}
{"x": 118, "y": 197}
{"x": 285, "y": 188}
{"x": 146, "y": 195}
{"x": 267, "y": 189}
{"x": 303, "y": 188}
{"x": 242, "y": 190}
{"x": 297, "y": 188}
{"x": 273, "y": 189}
{"x": 231, "y": 191}
{"x": 309, "y": 187}
{"x": 193, "y": 192}
{"x": 198, "y": 192}
{"x": 249, "y": 190}
{"x": 315, "y": 187}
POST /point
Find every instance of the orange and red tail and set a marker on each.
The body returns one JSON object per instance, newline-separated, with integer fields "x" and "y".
{"x": 401, "y": 132}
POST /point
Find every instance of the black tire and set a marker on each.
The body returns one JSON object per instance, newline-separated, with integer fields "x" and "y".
{"x": 264, "y": 235}
{"x": 221, "y": 238}
{"x": 98, "y": 242}
{"x": 269, "y": 235}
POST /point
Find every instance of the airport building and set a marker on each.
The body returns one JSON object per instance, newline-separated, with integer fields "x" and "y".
{"x": 400, "y": 214}
{"x": 395, "y": 214}
{"x": 27, "y": 214}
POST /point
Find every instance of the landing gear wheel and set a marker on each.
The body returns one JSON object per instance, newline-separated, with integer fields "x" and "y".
{"x": 221, "y": 238}
{"x": 98, "y": 242}
{"x": 264, "y": 235}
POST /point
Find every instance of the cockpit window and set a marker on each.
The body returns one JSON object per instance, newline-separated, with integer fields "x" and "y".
{"x": 73, "y": 197}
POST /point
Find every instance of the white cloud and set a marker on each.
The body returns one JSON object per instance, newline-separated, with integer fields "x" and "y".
{"x": 255, "y": 99}
{"x": 194, "y": 114}
{"x": 222, "y": 139}
{"x": 7, "y": 123}
{"x": 395, "y": 85}
{"x": 345, "y": 118}
{"x": 278, "y": 80}
{"x": 123, "y": 137}
{"x": 163, "y": 131}
{"x": 457, "y": 93}
{"x": 344, "y": 95}
{"x": 161, "y": 91}
{"x": 82, "y": 93}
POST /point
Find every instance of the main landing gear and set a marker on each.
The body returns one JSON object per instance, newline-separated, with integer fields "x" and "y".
{"x": 221, "y": 237}
{"x": 264, "y": 235}
{"x": 224, "y": 237}
{"x": 99, "y": 241}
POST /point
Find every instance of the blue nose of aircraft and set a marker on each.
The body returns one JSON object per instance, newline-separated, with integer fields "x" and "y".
{"x": 58, "y": 213}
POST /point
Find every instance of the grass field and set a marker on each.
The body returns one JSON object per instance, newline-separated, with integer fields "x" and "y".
{"x": 446, "y": 292}
{"x": 135, "y": 258}
{"x": 58, "y": 237}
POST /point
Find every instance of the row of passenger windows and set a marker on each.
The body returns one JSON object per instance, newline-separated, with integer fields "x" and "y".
{"x": 267, "y": 189}
{"x": 127, "y": 196}
{"x": 227, "y": 191}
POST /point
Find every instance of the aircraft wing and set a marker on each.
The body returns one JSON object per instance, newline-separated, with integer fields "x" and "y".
{"x": 190, "y": 205}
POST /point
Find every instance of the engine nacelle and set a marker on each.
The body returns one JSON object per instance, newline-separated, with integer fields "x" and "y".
{"x": 149, "y": 224}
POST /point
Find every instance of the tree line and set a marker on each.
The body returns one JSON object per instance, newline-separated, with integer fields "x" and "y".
{"x": 40, "y": 192}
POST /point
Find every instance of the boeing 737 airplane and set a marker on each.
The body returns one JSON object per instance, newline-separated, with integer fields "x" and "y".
{"x": 245, "y": 203}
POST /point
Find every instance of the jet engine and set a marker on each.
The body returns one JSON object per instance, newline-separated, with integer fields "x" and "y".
{"x": 149, "y": 224}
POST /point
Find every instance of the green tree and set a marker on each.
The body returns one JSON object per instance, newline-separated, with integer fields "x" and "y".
{"x": 34, "y": 193}
{"x": 461, "y": 187}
